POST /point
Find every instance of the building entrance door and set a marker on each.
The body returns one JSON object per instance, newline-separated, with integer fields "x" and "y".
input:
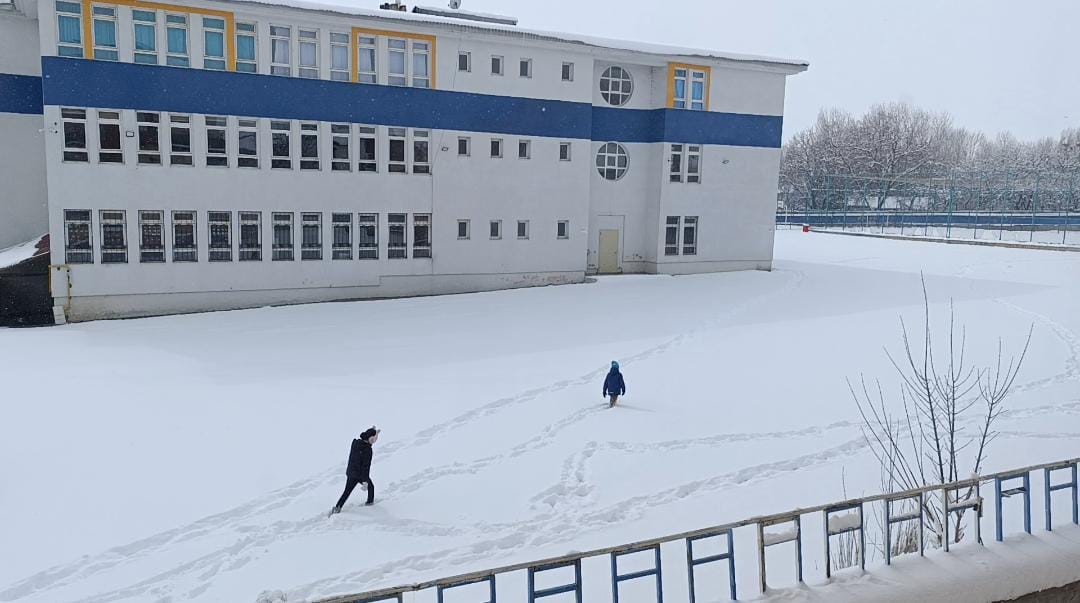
{"x": 608, "y": 261}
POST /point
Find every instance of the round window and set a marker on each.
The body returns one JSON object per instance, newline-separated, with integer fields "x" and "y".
{"x": 612, "y": 161}
{"x": 616, "y": 86}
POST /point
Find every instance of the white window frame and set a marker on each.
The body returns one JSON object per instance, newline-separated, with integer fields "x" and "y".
{"x": 468, "y": 61}
{"x": 616, "y": 98}
{"x": 366, "y": 43}
{"x": 498, "y": 230}
{"x": 525, "y": 230}
{"x": 689, "y": 225}
{"x": 183, "y": 253}
{"x": 245, "y": 127}
{"x": 179, "y": 122}
{"x": 368, "y": 250}
{"x": 468, "y": 146}
{"x": 420, "y": 49}
{"x": 688, "y": 76}
{"x": 144, "y": 56}
{"x": 220, "y": 124}
{"x": 309, "y": 131}
{"x": 525, "y": 65}
{"x": 183, "y": 23}
{"x": 108, "y": 218}
{"x": 370, "y": 165}
{"x": 283, "y": 34}
{"x": 496, "y": 154}
{"x": 501, "y": 64}
{"x": 341, "y": 224}
{"x": 468, "y": 228}
{"x": 145, "y": 121}
{"x": 278, "y": 128}
{"x": 525, "y": 145}
{"x": 307, "y": 38}
{"x": 421, "y": 224}
{"x": 685, "y": 163}
{"x": 309, "y": 221}
{"x": 564, "y": 226}
{"x": 607, "y": 161}
{"x": 339, "y": 43}
{"x": 397, "y": 135}
{"x": 214, "y": 62}
{"x": 693, "y": 168}
{"x": 249, "y": 252}
{"x": 392, "y": 48}
{"x": 149, "y": 253}
{"x": 69, "y": 10}
{"x": 568, "y": 155}
{"x": 219, "y": 218}
{"x": 397, "y": 251}
{"x": 108, "y": 118}
{"x": 282, "y": 251}
{"x": 107, "y": 14}
{"x": 340, "y": 133}
{"x": 672, "y": 223}
{"x": 247, "y": 29}
{"x": 421, "y": 139}
{"x": 567, "y": 72}
{"x": 84, "y": 253}
{"x": 77, "y": 118}
{"x": 677, "y": 162}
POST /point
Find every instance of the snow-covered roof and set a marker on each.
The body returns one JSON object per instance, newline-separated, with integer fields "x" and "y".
{"x": 20, "y": 253}
{"x": 463, "y": 25}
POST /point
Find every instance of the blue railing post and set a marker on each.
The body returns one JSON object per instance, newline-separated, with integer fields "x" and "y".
{"x": 774, "y": 539}
{"x": 1051, "y": 488}
{"x": 692, "y": 562}
{"x": 1000, "y": 494}
{"x": 830, "y": 531}
{"x": 574, "y": 587}
{"x": 617, "y": 578}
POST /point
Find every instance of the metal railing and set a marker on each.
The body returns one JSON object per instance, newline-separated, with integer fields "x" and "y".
{"x": 952, "y": 503}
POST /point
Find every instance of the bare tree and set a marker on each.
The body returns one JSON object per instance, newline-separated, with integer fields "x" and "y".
{"x": 941, "y": 428}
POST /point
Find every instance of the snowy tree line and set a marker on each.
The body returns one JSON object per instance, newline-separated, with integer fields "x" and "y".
{"x": 901, "y": 157}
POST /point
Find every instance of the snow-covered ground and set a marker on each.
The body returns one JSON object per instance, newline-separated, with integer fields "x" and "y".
{"x": 195, "y": 457}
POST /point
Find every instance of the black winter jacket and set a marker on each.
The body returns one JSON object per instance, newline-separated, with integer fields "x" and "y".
{"x": 359, "y": 460}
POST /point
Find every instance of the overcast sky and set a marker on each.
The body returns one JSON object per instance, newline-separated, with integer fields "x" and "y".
{"x": 995, "y": 65}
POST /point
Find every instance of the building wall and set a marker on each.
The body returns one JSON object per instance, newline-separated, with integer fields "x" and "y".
{"x": 23, "y": 203}
{"x": 733, "y": 202}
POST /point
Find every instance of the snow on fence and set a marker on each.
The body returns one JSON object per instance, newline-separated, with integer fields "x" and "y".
{"x": 839, "y": 518}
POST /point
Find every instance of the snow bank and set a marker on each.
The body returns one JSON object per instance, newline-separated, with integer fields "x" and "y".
{"x": 19, "y": 253}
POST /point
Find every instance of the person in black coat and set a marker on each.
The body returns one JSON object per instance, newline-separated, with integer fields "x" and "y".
{"x": 614, "y": 385}
{"x": 359, "y": 469}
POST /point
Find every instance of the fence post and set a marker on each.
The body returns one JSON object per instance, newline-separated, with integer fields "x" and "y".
{"x": 1050, "y": 489}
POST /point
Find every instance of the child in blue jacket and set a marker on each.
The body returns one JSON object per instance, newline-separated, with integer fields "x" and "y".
{"x": 614, "y": 386}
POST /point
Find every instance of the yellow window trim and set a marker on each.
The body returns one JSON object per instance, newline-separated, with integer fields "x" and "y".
{"x": 355, "y": 47}
{"x": 230, "y": 23}
{"x": 671, "y": 82}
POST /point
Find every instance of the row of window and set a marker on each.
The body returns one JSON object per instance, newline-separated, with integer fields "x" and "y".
{"x": 79, "y": 248}
{"x": 680, "y": 235}
{"x": 164, "y": 37}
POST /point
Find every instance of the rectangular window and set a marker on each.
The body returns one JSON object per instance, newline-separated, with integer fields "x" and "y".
{"x": 246, "y": 48}
{"x": 77, "y": 247}
{"x": 339, "y": 159}
{"x": 367, "y": 70}
{"x": 144, "y": 24}
{"x": 216, "y": 147}
{"x": 281, "y": 157}
{"x": 689, "y": 88}
{"x": 149, "y": 138}
{"x": 523, "y": 229}
{"x": 311, "y": 236}
{"x": 524, "y": 149}
{"x": 365, "y": 150}
{"x": 339, "y": 57}
{"x": 464, "y": 61}
{"x": 496, "y": 65}
{"x": 151, "y": 237}
{"x": 213, "y": 43}
{"x": 247, "y": 143}
{"x": 676, "y": 171}
{"x": 176, "y": 38}
{"x": 496, "y": 147}
{"x": 280, "y": 50}
{"x": 564, "y": 151}
{"x": 395, "y": 62}
{"x": 69, "y": 29}
{"x": 693, "y": 163}
{"x": 180, "y": 140}
{"x": 309, "y": 53}
{"x": 421, "y": 64}
{"x": 220, "y": 223}
{"x": 309, "y": 146}
{"x": 105, "y": 35}
{"x": 463, "y": 146}
{"x": 109, "y": 138}
{"x": 671, "y": 236}
{"x": 421, "y": 152}
{"x": 689, "y": 237}
{"x": 397, "y": 150}
{"x": 250, "y": 236}
{"x": 368, "y": 234}
{"x": 341, "y": 230}
{"x": 396, "y": 242}
{"x": 567, "y": 72}
{"x": 183, "y": 228}
{"x": 562, "y": 229}
{"x": 283, "y": 237}
{"x": 421, "y": 247}
{"x": 495, "y": 229}
{"x": 113, "y": 237}
{"x": 462, "y": 229}
{"x": 525, "y": 68}
{"x": 74, "y": 123}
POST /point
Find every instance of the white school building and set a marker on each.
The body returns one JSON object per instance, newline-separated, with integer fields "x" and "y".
{"x": 201, "y": 155}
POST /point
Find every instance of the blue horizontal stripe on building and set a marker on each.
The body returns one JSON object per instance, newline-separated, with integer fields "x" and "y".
{"x": 20, "y": 94}
{"x": 82, "y": 83}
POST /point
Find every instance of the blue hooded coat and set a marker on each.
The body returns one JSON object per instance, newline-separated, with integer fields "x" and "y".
{"x": 613, "y": 383}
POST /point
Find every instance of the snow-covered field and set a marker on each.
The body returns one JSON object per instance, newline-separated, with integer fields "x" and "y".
{"x": 986, "y": 233}
{"x": 195, "y": 457}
